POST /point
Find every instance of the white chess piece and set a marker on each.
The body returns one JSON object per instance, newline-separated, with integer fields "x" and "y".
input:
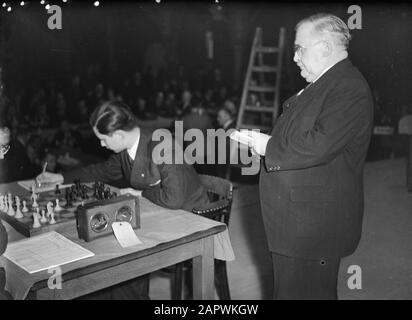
{"x": 19, "y": 214}
{"x": 6, "y": 206}
{"x": 36, "y": 222}
{"x": 43, "y": 216}
{"x": 52, "y": 221}
{"x": 49, "y": 206}
{"x": 1, "y": 202}
{"x": 57, "y": 208}
{"x": 34, "y": 197}
{"x": 24, "y": 207}
{"x": 11, "y": 211}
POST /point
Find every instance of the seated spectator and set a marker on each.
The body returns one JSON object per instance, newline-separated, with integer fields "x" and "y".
{"x": 14, "y": 163}
{"x": 185, "y": 103}
{"x": 226, "y": 121}
{"x": 66, "y": 138}
{"x": 33, "y": 149}
{"x": 225, "y": 117}
{"x": 198, "y": 118}
{"x": 41, "y": 117}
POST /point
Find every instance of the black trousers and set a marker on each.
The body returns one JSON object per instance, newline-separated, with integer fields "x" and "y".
{"x": 304, "y": 279}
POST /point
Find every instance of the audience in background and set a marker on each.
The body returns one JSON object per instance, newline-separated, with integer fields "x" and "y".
{"x": 52, "y": 112}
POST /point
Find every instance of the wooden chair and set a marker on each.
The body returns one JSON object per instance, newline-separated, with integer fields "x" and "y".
{"x": 220, "y": 192}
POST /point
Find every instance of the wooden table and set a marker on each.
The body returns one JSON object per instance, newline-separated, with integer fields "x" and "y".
{"x": 169, "y": 237}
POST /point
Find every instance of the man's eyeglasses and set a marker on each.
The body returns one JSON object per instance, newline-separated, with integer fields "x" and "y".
{"x": 298, "y": 49}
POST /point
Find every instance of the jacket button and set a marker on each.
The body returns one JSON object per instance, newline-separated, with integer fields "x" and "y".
{"x": 142, "y": 175}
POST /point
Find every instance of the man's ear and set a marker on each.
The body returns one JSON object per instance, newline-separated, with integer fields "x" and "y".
{"x": 119, "y": 134}
{"x": 327, "y": 49}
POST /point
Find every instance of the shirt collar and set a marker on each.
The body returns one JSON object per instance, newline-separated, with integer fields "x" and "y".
{"x": 132, "y": 151}
{"x": 323, "y": 72}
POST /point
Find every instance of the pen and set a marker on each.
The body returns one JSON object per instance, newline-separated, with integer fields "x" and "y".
{"x": 44, "y": 170}
{"x": 44, "y": 167}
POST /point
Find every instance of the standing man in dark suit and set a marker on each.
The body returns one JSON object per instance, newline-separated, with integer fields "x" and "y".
{"x": 311, "y": 181}
{"x": 137, "y": 164}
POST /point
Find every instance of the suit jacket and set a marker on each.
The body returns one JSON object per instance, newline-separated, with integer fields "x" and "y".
{"x": 311, "y": 181}
{"x": 16, "y": 164}
{"x": 174, "y": 186}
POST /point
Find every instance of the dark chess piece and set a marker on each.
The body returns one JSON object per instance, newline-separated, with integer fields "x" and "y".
{"x": 84, "y": 192}
{"x": 100, "y": 191}
{"x": 73, "y": 192}
{"x": 57, "y": 191}
{"x": 107, "y": 193}
{"x": 68, "y": 197}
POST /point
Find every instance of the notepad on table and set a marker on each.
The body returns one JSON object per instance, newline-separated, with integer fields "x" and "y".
{"x": 27, "y": 184}
{"x": 45, "y": 251}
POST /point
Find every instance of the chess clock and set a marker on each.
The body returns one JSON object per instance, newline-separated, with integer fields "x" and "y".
{"x": 94, "y": 219}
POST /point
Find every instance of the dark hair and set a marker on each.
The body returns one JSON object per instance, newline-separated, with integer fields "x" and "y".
{"x": 111, "y": 116}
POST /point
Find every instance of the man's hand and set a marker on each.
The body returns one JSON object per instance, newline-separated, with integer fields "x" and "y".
{"x": 49, "y": 178}
{"x": 131, "y": 191}
{"x": 260, "y": 143}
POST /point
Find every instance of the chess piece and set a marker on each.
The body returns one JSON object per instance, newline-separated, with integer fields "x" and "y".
{"x": 19, "y": 214}
{"x": 24, "y": 207}
{"x": 68, "y": 197}
{"x": 52, "y": 221}
{"x": 34, "y": 197}
{"x": 49, "y": 206}
{"x": 57, "y": 208}
{"x": 1, "y": 203}
{"x": 11, "y": 211}
{"x": 36, "y": 216}
{"x": 6, "y": 206}
{"x": 57, "y": 191}
{"x": 43, "y": 216}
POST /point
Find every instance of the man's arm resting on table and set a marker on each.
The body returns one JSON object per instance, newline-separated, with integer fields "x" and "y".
{"x": 107, "y": 171}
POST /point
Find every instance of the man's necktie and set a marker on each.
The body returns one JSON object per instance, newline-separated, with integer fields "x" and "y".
{"x": 130, "y": 161}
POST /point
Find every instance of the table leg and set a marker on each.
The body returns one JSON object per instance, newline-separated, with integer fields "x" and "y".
{"x": 203, "y": 272}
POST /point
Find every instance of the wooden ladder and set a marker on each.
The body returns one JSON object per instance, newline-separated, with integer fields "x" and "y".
{"x": 259, "y": 105}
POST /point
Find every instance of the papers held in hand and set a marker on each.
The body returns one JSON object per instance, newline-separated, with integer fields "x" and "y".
{"x": 248, "y": 137}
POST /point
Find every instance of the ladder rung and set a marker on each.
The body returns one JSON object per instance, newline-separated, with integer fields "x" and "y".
{"x": 267, "y": 49}
{"x": 254, "y": 126}
{"x": 262, "y": 88}
{"x": 259, "y": 109}
{"x": 264, "y": 69}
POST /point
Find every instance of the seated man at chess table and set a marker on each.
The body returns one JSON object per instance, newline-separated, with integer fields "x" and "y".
{"x": 137, "y": 163}
{"x": 4, "y": 295}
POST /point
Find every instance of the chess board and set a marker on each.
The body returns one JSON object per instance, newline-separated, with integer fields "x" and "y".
{"x": 66, "y": 216}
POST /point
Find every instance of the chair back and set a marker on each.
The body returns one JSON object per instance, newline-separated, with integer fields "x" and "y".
{"x": 220, "y": 193}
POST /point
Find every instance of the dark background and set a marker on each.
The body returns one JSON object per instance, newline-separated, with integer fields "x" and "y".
{"x": 117, "y": 35}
